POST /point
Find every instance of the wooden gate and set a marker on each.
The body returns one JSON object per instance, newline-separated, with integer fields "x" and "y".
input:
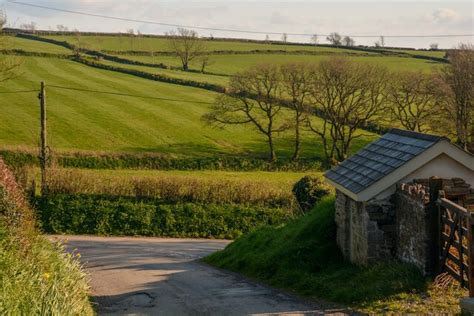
{"x": 456, "y": 244}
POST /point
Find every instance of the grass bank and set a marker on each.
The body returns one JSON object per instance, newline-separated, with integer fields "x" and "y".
{"x": 37, "y": 277}
{"x": 302, "y": 256}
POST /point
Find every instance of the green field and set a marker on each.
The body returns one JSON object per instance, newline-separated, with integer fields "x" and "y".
{"x": 433, "y": 53}
{"x": 230, "y": 64}
{"x": 91, "y": 121}
{"x": 168, "y": 121}
{"x": 11, "y": 42}
{"x": 156, "y": 44}
{"x": 193, "y": 76}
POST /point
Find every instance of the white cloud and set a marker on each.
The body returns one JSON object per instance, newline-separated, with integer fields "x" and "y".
{"x": 444, "y": 15}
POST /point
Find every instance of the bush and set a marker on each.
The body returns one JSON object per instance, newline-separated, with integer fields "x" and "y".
{"x": 309, "y": 191}
{"x": 37, "y": 277}
{"x": 105, "y": 215}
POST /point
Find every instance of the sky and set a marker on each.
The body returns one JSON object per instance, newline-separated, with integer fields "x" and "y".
{"x": 349, "y": 17}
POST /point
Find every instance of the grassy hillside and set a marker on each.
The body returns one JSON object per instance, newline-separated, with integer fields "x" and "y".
{"x": 31, "y": 46}
{"x": 127, "y": 43}
{"x": 302, "y": 256}
{"x": 170, "y": 124}
{"x": 230, "y": 64}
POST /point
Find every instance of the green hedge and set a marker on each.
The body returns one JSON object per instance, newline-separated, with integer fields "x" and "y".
{"x": 151, "y": 162}
{"x": 90, "y": 214}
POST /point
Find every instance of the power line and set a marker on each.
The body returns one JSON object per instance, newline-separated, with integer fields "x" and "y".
{"x": 18, "y": 91}
{"x": 223, "y": 29}
{"x": 127, "y": 95}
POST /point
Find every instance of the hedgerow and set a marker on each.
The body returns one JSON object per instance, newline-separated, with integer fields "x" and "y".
{"x": 92, "y": 160}
{"x": 106, "y": 215}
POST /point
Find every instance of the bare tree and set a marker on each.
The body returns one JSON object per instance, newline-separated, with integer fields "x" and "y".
{"x": 380, "y": 42}
{"x": 413, "y": 98}
{"x": 457, "y": 81}
{"x": 30, "y": 27}
{"x": 348, "y": 41}
{"x": 186, "y": 45}
{"x": 314, "y": 39}
{"x": 62, "y": 28}
{"x": 3, "y": 20}
{"x": 334, "y": 38}
{"x": 296, "y": 83}
{"x": 284, "y": 37}
{"x": 348, "y": 95}
{"x": 254, "y": 98}
{"x": 205, "y": 61}
{"x": 434, "y": 46}
{"x": 131, "y": 34}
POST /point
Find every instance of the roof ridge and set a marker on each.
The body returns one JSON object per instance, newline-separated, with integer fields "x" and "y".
{"x": 412, "y": 134}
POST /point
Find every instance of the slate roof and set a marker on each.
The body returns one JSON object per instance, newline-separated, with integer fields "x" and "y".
{"x": 380, "y": 158}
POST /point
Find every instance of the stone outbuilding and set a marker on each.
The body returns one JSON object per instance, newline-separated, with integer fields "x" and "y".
{"x": 383, "y": 194}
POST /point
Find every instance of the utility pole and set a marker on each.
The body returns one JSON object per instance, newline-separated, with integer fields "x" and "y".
{"x": 43, "y": 146}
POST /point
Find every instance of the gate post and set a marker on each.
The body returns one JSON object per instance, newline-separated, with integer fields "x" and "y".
{"x": 435, "y": 185}
{"x": 470, "y": 245}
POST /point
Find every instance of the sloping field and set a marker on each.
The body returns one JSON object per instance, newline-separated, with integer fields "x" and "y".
{"x": 11, "y": 42}
{"x": 170, "y": 124}
{"x": 230, "y": 64}
{"x": 155, "y": 44}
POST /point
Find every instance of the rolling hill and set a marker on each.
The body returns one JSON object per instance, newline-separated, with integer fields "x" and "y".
{"x": 166, "y": 118}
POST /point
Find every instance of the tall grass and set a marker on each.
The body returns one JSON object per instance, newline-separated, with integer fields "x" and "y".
{"x": 172, "y": 189}
{"x": 36, "y": 277}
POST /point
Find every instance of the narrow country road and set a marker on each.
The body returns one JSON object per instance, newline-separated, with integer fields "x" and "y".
{"x": 157, "y": 276}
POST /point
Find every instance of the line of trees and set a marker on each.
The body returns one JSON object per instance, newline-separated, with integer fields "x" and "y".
{"x": 348, "y": 96}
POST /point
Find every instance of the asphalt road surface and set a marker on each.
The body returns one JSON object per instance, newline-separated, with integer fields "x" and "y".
{"x": 158, "y": 276}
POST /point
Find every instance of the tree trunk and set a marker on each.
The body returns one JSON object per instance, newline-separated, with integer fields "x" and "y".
{"x": 272, "y": 155}
{"x": 185, "y": 66}
{"x": 296, "y": 153}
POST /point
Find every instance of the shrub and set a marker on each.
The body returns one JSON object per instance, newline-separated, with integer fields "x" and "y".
{"x": 309, "y": 190}
{"x": 105, "y": 215}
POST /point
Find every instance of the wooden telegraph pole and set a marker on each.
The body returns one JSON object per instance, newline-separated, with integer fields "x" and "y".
{"x": 43, "y": 158}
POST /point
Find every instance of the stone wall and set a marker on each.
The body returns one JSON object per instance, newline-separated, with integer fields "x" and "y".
{"x": 365, "y": 231}
{"x": 413, "y": 242}
{"x": 399, "y": 226}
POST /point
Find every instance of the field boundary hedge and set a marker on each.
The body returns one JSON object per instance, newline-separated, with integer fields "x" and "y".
{"x": 104, "y": 215}
{"x": 20, "y": 158}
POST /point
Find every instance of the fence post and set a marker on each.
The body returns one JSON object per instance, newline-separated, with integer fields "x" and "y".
{"x": 433, "y": 213}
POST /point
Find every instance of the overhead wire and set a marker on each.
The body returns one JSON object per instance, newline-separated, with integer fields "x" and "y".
{"x": 18, "y": 91}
